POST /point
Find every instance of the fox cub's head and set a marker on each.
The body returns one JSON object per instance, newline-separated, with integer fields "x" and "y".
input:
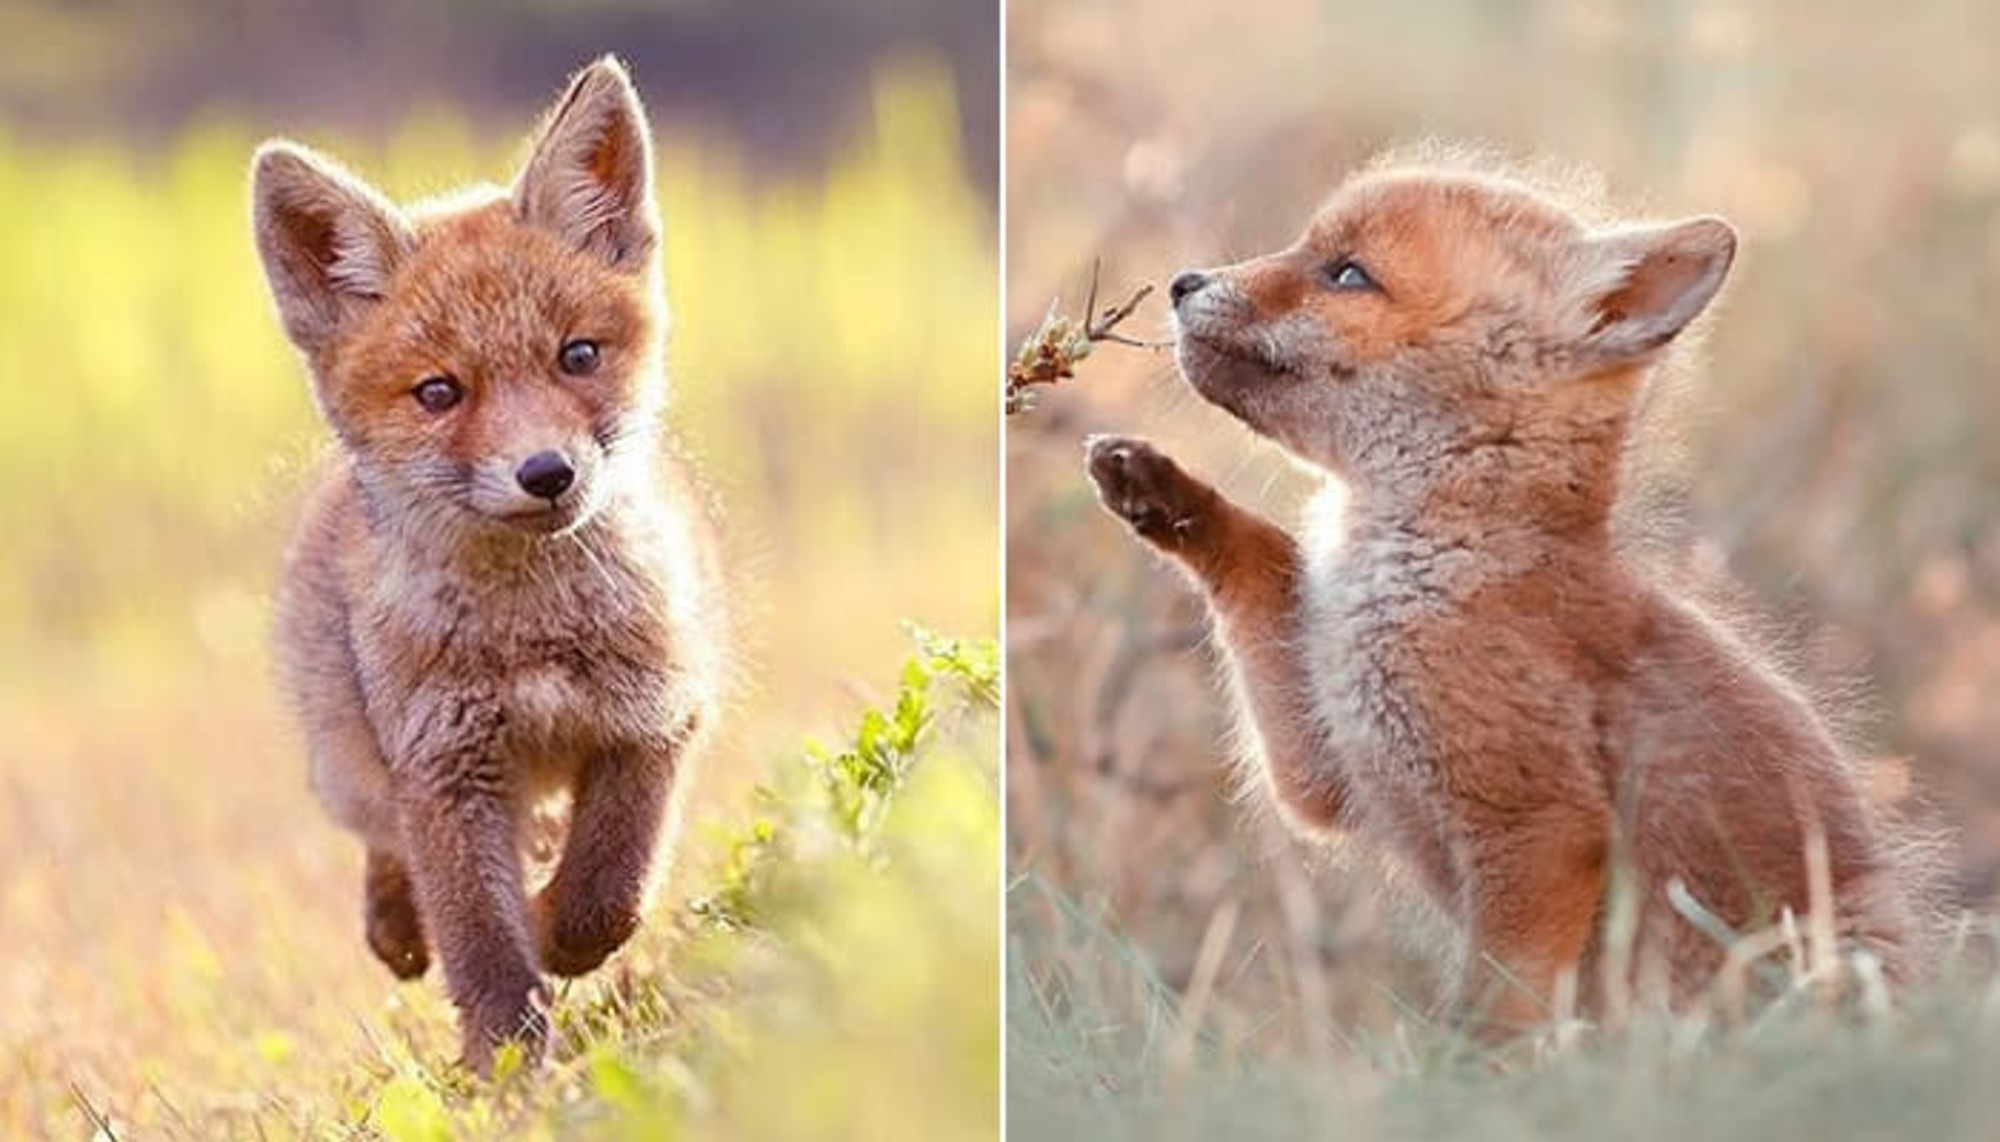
{"x": 1426, "y": 311}
{"x": 493, "y": 358}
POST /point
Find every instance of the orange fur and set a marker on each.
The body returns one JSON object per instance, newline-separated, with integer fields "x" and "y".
{"x": 1457, "y": 657}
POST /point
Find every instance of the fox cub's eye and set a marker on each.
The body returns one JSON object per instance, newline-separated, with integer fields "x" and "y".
{"x": 437, "y": 394}
{"x": 578, "y": 358}
{"x": 1349, "y": 275}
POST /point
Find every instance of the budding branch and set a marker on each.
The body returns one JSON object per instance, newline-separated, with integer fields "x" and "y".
{"x": 1052, "y": 353}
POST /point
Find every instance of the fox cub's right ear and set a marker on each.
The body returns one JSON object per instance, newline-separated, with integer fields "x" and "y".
{"x": 328, "y": 241}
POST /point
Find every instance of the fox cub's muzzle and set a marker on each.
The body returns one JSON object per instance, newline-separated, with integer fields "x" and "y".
{"x": 549, "y": 489}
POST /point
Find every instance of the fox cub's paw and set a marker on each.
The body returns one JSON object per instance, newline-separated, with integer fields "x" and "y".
{"x": 1141, "y": 486}
{"x": 395, "y": 933}
{"x": 489, "y": 1024}
{"x": 573, "y": 937}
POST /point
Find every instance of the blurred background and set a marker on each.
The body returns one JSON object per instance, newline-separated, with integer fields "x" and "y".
{"x": 1838, "y": 438}
{"x": 180, "y": 918}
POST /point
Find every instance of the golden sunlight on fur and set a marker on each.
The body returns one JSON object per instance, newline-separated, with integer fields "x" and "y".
{"x": 1459, "y": 659}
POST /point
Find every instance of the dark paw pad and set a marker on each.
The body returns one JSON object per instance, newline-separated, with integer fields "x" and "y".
{"x": 1146, "y": 489}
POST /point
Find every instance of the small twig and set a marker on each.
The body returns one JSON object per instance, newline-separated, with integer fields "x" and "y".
{"x": 1061, "y": 341}
{"x": 90, "y": 1111}
{"x": 1100, "y": 328}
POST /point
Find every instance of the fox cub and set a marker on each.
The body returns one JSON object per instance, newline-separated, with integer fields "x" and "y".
{"x": 1456, "y": 657}
{"x": 502, "y": 591}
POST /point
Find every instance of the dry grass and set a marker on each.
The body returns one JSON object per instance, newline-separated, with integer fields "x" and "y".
{"x": 1100, "y": 1048}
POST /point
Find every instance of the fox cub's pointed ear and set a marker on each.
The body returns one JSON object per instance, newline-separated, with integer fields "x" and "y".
{"x": 590, "y": 175}
{"x": 329, "y": 242}
{"x": 1648, "y": 283}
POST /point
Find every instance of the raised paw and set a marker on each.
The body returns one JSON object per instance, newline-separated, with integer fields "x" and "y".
{"x": 573, "y": 937}
{"x": 1141, "y": 486}
{"x": 389, "y": 916}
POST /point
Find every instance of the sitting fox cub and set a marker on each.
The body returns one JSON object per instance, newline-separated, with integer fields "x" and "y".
{"x": 1458, "y": 660}
{"x": 501, "y": 589}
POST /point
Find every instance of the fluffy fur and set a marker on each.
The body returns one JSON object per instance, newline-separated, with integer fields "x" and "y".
{"x": 1456, "y": 656}
{"x": 459, "y": 650}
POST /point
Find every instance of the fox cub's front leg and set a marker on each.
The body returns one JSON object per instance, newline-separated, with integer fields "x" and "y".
{"x": 1249, "y": 569}
{"x": 618, "y": 822}
{"x": 459, "y": 827}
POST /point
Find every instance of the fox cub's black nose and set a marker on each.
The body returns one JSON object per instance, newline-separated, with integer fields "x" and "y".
{"x": 1185, "y": 283}
{"x": 546, "y": 474}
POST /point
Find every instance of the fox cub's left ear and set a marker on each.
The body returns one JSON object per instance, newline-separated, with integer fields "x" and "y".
{"x": 590, "y": 175}
{"x": 328, "y": 241}
{"x": 1645, "y": 284}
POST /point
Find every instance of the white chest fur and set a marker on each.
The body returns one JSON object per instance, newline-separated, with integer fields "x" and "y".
{"x": 1367, "y": 588}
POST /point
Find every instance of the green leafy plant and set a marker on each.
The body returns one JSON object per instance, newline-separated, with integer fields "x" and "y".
{"x": 846, "y": 790}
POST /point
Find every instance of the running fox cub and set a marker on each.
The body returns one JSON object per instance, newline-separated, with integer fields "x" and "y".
{"x": 1456, "y": 658}
{"x": 502, "y": 591}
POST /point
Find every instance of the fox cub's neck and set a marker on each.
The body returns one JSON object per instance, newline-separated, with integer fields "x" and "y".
{"x": 1511, "y": 490}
